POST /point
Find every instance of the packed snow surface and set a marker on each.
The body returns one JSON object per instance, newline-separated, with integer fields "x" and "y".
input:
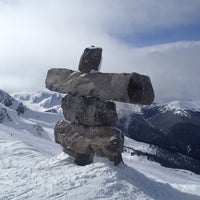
{"x": 35, "y": 168}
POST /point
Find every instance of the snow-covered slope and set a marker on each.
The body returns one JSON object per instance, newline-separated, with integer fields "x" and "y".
{"x": 8, "y": 101}
{"x": 33, "y": 168}
{"x": 37, "y": 123}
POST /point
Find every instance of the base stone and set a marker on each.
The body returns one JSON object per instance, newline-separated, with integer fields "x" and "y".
{"x": 83, "y": 159}
{"x": 82, "y": 141}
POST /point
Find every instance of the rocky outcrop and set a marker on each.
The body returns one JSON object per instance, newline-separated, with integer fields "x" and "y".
{"x": 20, "y": 109}
{"x": 11, "y": 102}
{"x": 6, "y": 99}
{"x": 92, "y": 116}
{"x": 4, "y": 115}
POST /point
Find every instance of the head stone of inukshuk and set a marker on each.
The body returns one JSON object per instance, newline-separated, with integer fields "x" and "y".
{"x": 89, "y": 109}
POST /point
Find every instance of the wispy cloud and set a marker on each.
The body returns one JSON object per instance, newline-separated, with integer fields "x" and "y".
{"x": 37, "y": 35}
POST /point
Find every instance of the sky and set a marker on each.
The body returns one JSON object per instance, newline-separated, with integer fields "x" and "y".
{"x": 157, "y": 38}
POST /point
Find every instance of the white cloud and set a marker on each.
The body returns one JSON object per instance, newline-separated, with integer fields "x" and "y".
{"x": 37, "y": 35}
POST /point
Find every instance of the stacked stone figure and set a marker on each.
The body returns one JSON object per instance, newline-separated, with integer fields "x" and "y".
{"x": 91, "y": 115}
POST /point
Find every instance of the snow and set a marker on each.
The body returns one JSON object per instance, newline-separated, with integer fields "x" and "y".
{"x": 40, "y": 101}
{"x": 37, "y": 123}
{"x": 127, "y": 109}
{"x": 6, "y": 99}
{"x": 186, "y": 105}
{"x": 181, "y": 107}
{"x": 33, "y": 166}
{"x": 36, "y": 168}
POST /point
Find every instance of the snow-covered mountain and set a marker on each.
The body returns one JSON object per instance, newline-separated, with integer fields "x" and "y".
{"x": 182, "y": 108}
{"x": 15, "y": 114}
{"x": 33, "y": 166}
{"x": 42, "y": 101}
{"x": 174, "y": 127}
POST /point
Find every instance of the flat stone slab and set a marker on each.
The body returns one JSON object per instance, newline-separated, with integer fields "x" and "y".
{"x": 103, "y": 141}
{"x": 130, "y": 88}
{"x": 89, "y": 111}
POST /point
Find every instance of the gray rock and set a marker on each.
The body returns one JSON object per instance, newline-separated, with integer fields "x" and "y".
{"x": 89, "y": 110}
{"x": 20, "y": 109}
{"x": 83, "y": 159}
{"x": 88, "y": 107}
{"x": 130, "y": 88}
{"x": 77, "y": 139}
{"x": 55, "y": 78}
{"x": 90, "y": 59}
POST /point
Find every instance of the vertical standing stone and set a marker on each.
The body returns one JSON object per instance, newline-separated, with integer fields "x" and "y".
{"x": 77, "y": 139}
{"x": 90, "y": 60}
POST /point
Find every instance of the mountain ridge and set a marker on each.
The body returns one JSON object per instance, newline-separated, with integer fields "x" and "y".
{"x": 15, "y": 114}
{"x": 42, "y": 101}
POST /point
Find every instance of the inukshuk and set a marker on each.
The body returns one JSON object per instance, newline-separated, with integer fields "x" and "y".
{"x": 88, "y": 108}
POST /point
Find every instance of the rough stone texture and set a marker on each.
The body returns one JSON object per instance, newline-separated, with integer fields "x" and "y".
{"x": 131, "y": 88}
{"x": 83, "y": 159}
{"x": 20, "y": 109}
{"x": 89, "y": 140}
{"x": 89, "y": 111}
{"x": 55, "y": 78}
{"x": 90, "y": 59}
{"x": 87, "y": 106}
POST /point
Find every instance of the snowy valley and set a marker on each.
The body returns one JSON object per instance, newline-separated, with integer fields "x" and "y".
{"x": 33, "y": 166}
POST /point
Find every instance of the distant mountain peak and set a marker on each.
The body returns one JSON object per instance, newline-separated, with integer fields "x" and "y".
{"x": 43, "y": 101}
{"x": 6, "y": 99}
{"x": 13, "y": 113}
{"x": 10, "y": 102}
{"x": 182, "y": 108}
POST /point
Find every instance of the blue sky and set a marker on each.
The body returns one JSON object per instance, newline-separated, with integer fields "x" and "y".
{"x": 153, "y": 37}
{"x": 190, "y": 32}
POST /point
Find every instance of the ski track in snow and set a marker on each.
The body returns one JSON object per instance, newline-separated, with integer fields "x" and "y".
{"x": 35, "y": 168}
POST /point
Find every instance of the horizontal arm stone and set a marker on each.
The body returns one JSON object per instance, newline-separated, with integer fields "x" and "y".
{"x": 124, "y": 87}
